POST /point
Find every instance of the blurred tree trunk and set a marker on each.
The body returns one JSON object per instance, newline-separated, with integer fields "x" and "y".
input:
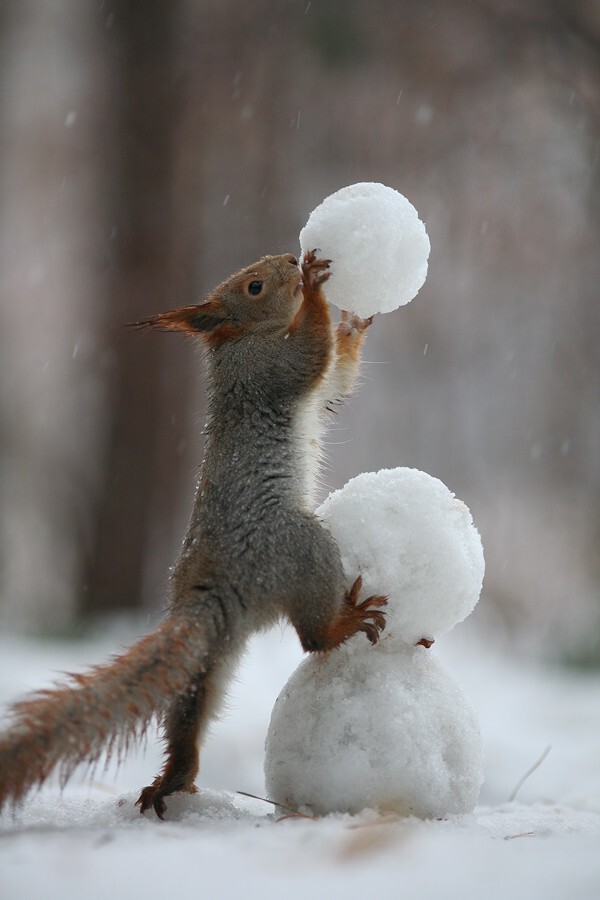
{"x": 147, "y": 92}
{"x": 55, "y": 140}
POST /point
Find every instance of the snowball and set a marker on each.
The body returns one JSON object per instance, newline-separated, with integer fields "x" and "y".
{"x": 412, "y": 540}
{"x": 378, "y": 246}
{"x": 391, "y": 732}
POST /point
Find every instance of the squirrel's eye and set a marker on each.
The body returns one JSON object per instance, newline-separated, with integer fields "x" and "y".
{"x": 255, "y": 287}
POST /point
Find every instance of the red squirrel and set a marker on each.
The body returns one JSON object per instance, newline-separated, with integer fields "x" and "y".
{"x": 254, "y": 551}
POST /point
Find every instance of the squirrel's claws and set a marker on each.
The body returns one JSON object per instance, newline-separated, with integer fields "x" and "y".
{"x": 160, "y": 808}
{"x": 314, "y": 270}
{"x": 371, "y": 620}
{"x": 152, "y": 797}
{"x": 354, "y": 617}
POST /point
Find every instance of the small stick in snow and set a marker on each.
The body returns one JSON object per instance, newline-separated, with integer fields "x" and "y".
{"x": 291, "y": 813}
{"x": 529, "y": 772}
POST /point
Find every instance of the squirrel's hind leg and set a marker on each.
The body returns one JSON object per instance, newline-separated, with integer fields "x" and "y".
{"x": 184, "y": 727}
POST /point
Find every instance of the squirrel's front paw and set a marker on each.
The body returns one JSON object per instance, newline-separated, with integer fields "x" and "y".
{"x": 351, "y": 324}
{"x": 367, "y": 615}
{"x": 314, "y": 270}
{"x": 352, "y": 618}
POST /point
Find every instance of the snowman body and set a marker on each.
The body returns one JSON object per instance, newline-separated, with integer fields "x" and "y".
{"x": 386, "y": 726}
{"x": 387, "y": 729}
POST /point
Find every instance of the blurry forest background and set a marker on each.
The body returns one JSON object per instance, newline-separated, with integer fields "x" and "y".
{"x": 148, "y": 149}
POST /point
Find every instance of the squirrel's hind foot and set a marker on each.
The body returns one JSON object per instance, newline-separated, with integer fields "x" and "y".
{"x": 152, "y": 797}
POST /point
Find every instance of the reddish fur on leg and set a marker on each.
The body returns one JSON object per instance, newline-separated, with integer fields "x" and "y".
{"x": 350, "y": 335}
{"x": 182, "y": 726}
{"x": 315, "y": 306}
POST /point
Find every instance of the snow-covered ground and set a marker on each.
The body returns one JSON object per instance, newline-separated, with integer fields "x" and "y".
{"x": 90, "y": 841}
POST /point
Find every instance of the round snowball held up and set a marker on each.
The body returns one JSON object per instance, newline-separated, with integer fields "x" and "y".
{"x": 385, "y": 726}
{"x": 378, "y": 246}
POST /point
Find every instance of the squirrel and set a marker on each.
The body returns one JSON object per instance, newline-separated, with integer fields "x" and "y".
{"x": 254, "y": 551}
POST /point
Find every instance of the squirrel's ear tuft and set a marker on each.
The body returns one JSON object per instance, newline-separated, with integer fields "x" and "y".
{"x": 201, "y": 319}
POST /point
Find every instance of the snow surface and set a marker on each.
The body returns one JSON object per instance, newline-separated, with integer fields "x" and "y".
{"x": 412, "y": 540}
{"x": 378, "y": 246}
{"x": 90, "y": 842}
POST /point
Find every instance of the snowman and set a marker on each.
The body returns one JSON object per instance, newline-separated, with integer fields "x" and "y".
{"x": 384, "y": 726}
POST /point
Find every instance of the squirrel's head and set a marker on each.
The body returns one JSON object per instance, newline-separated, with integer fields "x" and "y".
{"x": 264, "y": 296}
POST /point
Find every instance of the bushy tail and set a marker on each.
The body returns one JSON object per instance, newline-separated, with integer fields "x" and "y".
{"x": 106, "y": 708}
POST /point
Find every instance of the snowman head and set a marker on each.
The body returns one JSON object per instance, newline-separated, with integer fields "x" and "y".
{"x": 412, "y": 540}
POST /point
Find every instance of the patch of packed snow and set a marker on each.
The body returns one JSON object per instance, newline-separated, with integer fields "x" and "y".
{"x": 378, "y": 246}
